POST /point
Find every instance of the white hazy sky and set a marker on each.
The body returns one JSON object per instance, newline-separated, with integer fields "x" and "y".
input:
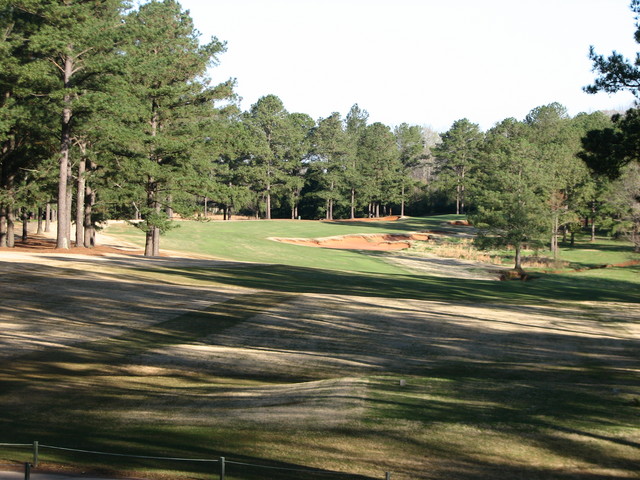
{"x": 424, "y": 62}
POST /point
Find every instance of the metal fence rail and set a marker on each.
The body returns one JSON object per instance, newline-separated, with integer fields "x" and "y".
{"x": 36, "y": 447}
{"x": 148, "y": 457}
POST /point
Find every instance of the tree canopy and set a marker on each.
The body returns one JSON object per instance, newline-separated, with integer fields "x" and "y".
{"x": 108, "y": 110}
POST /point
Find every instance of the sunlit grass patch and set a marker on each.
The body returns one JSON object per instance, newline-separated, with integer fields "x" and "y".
{"x": 299, "y": 363}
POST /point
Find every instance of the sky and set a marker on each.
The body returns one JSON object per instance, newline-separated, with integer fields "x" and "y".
{"x": 423, "y": 62}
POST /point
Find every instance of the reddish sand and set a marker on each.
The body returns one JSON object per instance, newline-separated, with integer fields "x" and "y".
{"x": 462, "y": 223}
{"x": 379, "y": 242}
{"x": 368, "y": 219}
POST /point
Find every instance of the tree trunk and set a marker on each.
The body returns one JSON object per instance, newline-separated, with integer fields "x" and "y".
{"x": 25, "y": 225}
{"x": 294, "y": 206}
{"x": 80, "y": 202}
{"x": 69, "y": 201}
{"x": 518, "y": 266}
{"x": 40, "y": 214}
{"x": 152, "y": 241}
{"x": 402, "y": 202}
{"x": 268, "y": 204}
{"x": 11, "y": 238}
{"x": 329, "y": 213}
{"x": 64, "y": 209}
{"x": 353, "y": 203}
{"x": 462, "y": 192}
{"x": 593, "y": 222}
{"x": 156, "y": 242}
{"x": 554, "y": 237}
{"x": 136, "y": 215}
{"x": 148, "y": 242}
{"x": 47, "y": 218}
{"x": 89, "y": 239}
{"x": 168, "y": 209}
{"x": 3, "y": 226}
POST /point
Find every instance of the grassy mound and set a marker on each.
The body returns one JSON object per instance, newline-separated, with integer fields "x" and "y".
{"x": 302, "y": 358}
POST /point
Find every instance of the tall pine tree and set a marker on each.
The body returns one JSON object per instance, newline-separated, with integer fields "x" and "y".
{"x": 169, "y": 98}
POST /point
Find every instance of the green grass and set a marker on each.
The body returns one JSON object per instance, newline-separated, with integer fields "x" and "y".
{"x": 513, "y": 379}
{"x": 248, "y": 241}
{"x": 294, "y": 268}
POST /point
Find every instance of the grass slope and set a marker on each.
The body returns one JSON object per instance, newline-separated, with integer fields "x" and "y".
{"x": 294, "y": 268}
{"x": 248, "y": 241}
{"x": 297, "y": 364}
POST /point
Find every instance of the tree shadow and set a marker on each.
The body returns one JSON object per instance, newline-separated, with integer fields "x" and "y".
{"x": 553, "y": 386}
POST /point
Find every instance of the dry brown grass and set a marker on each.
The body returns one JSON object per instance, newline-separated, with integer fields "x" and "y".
{"x": 462, "y": 249}
{"x": 313, "y": 379}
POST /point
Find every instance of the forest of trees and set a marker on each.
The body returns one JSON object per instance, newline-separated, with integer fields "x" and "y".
{"x": 106, "y": 112}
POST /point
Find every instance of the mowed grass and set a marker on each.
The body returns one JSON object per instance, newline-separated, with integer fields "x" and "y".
{"x": 296, "y": 268}
{"x": 248, "y": 241}
{"x": 524, "y": 380}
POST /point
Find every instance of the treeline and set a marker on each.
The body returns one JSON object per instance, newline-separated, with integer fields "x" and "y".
{"x": 107, "y": 112}
{"x": 530, "y": 183}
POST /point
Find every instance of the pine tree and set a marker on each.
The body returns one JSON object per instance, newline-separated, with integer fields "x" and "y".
{"x": 509, "y": 206}
{"x": 298, "y": 150}
{"x": 25, "y": 124}
{"x": 330, "y": 147}
{"x": 270, "y": 128}
{"x": 411, "y": 149}
{"x": 355, "y": 124}
{"x": 380, "y": 168}
{"x": 169, "y": 98}
{"x": 456, "y": 156}
{"x": 73, "y": 43}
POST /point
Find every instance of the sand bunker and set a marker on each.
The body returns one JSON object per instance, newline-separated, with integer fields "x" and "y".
{"x": 370, "y": 241}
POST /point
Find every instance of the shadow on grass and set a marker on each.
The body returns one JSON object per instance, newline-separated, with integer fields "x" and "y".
{"x": 57, "y": 381}
{"x": 285, "y": 278}
{"x": 159, "y": 442}
{"x": 549, "y": 391}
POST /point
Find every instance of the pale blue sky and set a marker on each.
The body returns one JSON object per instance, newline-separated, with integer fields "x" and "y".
{"x": 425, "y": 62}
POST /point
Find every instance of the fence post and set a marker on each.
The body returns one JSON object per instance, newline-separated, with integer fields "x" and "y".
{"x": 35, "y": 453}
{"x": 387, "y": 476}
{"x": 27, "y": 471}
{"x": 221, "y": 468}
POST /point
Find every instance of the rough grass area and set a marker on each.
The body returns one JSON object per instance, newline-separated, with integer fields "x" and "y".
{"x": 332, "y": 369}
